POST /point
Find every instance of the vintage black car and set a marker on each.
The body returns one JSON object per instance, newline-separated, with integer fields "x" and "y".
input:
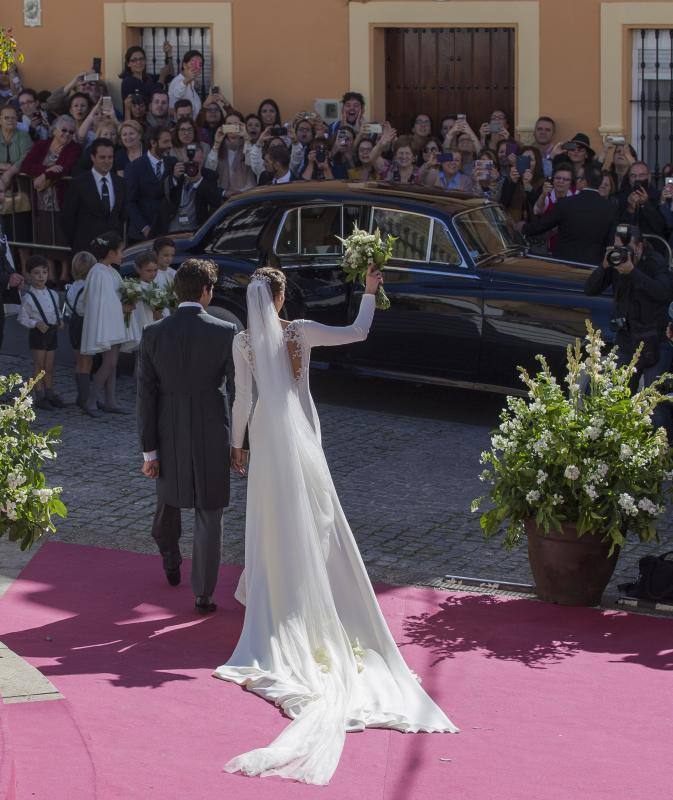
{"x": 468, "y": 304}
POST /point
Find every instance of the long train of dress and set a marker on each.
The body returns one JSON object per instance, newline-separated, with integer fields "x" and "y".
{"x": 314, "y": 640}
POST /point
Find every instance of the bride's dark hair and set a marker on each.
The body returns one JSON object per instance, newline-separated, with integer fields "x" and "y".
{"x": 274, "y": 276}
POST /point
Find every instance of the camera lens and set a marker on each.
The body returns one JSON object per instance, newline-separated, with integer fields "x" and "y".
{"x": 617, "y": 256}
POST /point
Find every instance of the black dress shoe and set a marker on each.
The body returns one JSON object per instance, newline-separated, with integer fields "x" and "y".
{"x": 204, "y": 605}
{"x": 173, "y": 576}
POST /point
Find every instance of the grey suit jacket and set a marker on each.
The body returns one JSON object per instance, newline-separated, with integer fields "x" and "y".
{"x": 183, "y": 408}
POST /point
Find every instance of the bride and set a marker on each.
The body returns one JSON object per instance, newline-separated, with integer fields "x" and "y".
{"x": 314, "y": 640}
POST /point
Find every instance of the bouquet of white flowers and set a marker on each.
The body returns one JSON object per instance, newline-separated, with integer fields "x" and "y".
{"x": 27, "y": 504}
{"x": 155, "y": 297}
{"x": 362, "y": 249}
{"x": 130, "y": 292}
{"x": 171, "y": 297}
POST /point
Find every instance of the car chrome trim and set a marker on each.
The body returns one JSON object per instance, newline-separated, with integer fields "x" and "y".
{"x": 469, "y": 275}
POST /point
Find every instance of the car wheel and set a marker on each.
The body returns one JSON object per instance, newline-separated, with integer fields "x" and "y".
{"x": 227, "y": 316}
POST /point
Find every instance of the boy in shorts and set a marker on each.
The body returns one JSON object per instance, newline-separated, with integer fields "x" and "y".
{"x": 40, "y": 313}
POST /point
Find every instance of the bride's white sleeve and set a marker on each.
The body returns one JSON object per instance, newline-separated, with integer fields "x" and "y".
{"x": 240, "y": 412}
{"x": 318, "y": 335}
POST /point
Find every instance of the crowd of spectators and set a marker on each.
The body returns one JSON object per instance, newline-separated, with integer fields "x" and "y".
{"x": 165, "y": 159}
{"x": 177, "y": 156}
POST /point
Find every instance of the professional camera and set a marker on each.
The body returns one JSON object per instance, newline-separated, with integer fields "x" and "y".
{"x": 320, "y": 155}
{"x": 191, "y": 167}
{"x": 137, "y": 98}
{"x": 619, "y": 255}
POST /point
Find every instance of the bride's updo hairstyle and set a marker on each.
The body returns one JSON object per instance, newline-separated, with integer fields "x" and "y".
{"x": 273, "y": 276}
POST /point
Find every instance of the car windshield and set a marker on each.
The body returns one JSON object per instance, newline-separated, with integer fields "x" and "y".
{"x": 487, "y": 232}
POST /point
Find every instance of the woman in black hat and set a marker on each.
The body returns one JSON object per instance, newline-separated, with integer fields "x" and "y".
{"x": 578, "y": 151}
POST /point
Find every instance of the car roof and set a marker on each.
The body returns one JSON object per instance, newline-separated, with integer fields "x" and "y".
{"x": 451, "y": 202}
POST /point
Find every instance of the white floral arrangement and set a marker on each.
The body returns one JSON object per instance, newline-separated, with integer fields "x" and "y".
{"x": 155, "y": 297}
{"x": 27, "y": 504}
{"x": 362, "y": 249}
{"x": 130, "y": 293}
{"x": 588, "y": 455}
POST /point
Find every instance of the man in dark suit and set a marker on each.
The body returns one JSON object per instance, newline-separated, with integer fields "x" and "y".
{"x": 95, "y": 201}
{"x": 145, "y": 178}
{"x": 10, "y": 280}
{"x": 585, "y": 222}
{"x": 183, "y": 421}
{"x": 277, "y": 162}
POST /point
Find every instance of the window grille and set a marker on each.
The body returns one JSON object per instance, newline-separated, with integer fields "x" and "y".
{"x": 652, "y": 97}
{"x": 182, "y": 39}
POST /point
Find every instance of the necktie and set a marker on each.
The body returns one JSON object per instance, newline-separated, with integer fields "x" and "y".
{"x": 105, "y": 196}
{"x": 158, "y": 170}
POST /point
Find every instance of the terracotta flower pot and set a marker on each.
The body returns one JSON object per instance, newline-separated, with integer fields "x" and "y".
{"x": 569, "y": 570}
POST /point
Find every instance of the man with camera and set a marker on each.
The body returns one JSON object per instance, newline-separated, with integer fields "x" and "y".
{"x": 192, "y": 195}
{"x": 639, "y": 203}
{"x": 642, "y": 289}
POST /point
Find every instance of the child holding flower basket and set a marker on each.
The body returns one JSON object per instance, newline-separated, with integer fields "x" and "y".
{"x": 104, "y": 329}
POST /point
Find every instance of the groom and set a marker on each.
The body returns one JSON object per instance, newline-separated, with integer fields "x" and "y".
{"x": 183, "y": 421}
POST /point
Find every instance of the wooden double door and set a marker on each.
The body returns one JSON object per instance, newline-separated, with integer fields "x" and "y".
{"x": 439, "y": 71}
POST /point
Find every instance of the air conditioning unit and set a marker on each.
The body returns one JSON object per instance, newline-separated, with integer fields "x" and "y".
{"x": 329, "y": 110}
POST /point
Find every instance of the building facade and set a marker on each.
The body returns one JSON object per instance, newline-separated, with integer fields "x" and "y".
{"x": 596, "y": 66}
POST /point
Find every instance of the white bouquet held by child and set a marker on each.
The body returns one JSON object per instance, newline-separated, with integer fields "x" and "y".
{"x": 362, "y": 249}
{"x": 130, "y": 293}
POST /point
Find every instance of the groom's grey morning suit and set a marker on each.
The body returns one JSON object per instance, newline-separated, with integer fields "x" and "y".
{"x": 183, "y": 415}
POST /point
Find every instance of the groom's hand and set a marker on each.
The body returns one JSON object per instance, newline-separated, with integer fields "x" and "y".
{"x": 151, "y": 468}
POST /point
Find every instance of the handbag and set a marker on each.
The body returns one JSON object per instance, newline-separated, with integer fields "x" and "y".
{"x": 655, "y": 581}
{"x": 16, "y": 202}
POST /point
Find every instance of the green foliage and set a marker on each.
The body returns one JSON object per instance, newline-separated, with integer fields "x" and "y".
{"x": 27, "y": 504}
{"x": 586, "y": 455}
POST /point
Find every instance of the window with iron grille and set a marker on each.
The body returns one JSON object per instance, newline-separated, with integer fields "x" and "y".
{"x": 182, "y": 39}
{"x": 652, "y": 97}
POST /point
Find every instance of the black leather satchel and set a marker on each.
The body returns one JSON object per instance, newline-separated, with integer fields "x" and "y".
{"x": 655, "y": 581}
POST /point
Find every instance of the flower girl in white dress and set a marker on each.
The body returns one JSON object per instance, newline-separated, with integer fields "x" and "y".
{"x": 104, "y": 329}
{"x": 314, "y": 640}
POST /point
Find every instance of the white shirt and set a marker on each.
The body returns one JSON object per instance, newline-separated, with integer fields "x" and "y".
{"x": 29, "y": 316}
{"x": 154, "y": 161}
{"x": 284, "y": 179}
{"x": 74, "y": 303}
{"x": 152, "y": 455}
{"x": 180, "y": 90}
{"x": 99, "y": 185}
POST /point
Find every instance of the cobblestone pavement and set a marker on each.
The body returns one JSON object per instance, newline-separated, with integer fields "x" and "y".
{"x": 404, "y": 460}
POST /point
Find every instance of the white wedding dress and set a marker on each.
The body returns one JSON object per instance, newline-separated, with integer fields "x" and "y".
{"x": 314, "y": 640}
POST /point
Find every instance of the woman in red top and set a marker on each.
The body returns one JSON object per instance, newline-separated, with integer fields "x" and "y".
{"x": 49, "y": 162}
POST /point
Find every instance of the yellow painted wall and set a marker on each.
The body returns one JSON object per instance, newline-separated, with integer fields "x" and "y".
{"x": 296, "y": 51}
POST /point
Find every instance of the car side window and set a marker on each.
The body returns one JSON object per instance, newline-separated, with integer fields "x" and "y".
{"x": 442, "y": 249}
{"x": 411, "y": 231}
{"x": 287, "y": 239}
{"x": 241, "y": 230}
{"x": 320, "y": 226}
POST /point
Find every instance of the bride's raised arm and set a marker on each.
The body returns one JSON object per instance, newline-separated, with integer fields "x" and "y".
{"x": 242, "y": 407}
{"x": 318, "y": 335}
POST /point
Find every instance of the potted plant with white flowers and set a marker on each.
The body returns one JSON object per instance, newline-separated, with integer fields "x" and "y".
{"x": 576, "y": 469}
{"x": 27, "y": 503}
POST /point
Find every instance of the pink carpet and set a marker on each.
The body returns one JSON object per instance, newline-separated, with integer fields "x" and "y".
{"x": 553, "y": 702}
